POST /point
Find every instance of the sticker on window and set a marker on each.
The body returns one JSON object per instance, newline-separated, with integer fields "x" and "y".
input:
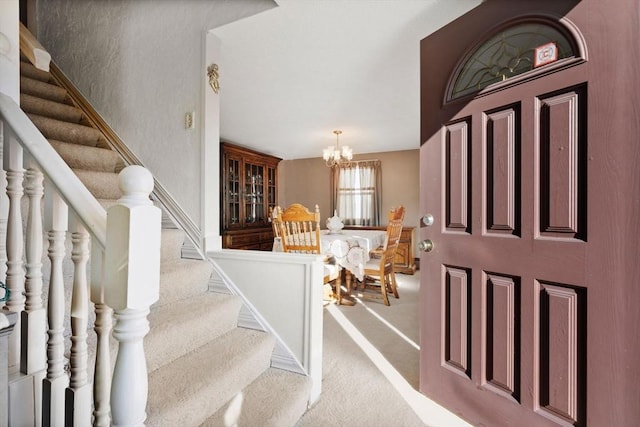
{"x": 545, "y": 54}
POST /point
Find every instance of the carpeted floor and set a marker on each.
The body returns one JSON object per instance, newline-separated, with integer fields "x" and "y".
{"x": 371, "y": 366}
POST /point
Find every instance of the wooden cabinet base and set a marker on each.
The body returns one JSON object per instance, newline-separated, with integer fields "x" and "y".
{"x": 259, "y": 239}
{"x": 404, "y": 261}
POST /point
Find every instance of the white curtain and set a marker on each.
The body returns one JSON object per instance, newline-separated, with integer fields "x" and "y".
{"x": 357, "y": 192}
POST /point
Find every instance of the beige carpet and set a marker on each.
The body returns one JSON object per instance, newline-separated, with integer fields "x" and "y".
{"x": 371, "y": 366}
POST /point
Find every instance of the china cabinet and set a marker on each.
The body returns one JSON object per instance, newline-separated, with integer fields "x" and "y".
{"x": 249, "y": 191}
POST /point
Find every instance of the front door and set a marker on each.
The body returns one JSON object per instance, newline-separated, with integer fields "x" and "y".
{"x": 524, "y": 317}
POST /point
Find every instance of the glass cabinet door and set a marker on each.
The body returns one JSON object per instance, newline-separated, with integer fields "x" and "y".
{"x": 271, "y": 189}
{"x": 233, "y": 190}
{"x": 254, "y": 208}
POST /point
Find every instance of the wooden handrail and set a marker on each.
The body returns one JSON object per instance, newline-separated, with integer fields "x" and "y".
{"x": 33, "y": 50}
{"x": 68, "y": 185}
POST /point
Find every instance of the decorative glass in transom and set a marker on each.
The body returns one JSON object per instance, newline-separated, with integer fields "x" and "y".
{"x": 507, "y": 54}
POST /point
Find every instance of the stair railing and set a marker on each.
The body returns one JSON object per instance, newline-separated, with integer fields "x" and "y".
{"x": 121, "y": 245}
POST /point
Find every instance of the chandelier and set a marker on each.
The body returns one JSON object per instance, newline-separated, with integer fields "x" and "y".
{"x": 333, "y": 155}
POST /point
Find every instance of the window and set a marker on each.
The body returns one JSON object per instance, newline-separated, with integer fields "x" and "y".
{"x": 356, "y": 192}
{"x": 509, "y": 53}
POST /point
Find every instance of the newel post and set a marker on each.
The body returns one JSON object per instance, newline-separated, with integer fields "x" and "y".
{"x": 132, "y": 268}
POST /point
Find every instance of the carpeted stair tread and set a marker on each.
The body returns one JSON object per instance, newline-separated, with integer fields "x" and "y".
{"x": 171, "y": 245}
{"x": 190, "y": 389}
{"x": 287, "y": 401}
{"x": 184, "y": 278}
{"x": 68, "y": 132}
{"x": 43, "y": 90}
{"x": 29, "y": 70}
{"x": 103, "y": 185}
{"x": 88, "y": 158}
{"x": 187, "y": 325}
{"x": 51, "y": 109}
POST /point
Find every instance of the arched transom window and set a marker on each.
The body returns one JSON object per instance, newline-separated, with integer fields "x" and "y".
{"x": 515, "y": 50}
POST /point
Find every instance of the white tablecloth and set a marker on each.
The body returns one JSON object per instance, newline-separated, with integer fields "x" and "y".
{"x": 351, "y": 247}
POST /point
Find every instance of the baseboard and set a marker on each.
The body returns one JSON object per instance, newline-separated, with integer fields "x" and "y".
{"x": 281, "y": 359}
{"x": 190, "y": 251}
{"x": 247, "y": 320}
{"x": 217, "y": 285}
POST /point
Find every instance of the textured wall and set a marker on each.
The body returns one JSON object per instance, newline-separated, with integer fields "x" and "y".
{"x": 140, "y": 63}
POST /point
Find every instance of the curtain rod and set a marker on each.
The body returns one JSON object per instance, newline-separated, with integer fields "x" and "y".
{"x": 357, "y": 162}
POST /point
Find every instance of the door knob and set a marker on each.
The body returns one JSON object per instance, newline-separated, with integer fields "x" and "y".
{"x": 427, "y": 220}
{"x": 425, "y": 245}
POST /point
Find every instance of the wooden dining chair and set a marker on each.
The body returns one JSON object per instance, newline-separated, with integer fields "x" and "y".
{"x": 275, "y": 225}
{"x": 299, "y": 232}
{"x": 379, "y": 268}
{"x": 299, "y": 229}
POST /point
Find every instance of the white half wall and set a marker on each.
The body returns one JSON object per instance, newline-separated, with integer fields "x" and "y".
{"x": 284, "y": 292}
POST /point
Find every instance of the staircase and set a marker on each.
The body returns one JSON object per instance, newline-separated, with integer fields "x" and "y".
{"x": 198, "y": 359}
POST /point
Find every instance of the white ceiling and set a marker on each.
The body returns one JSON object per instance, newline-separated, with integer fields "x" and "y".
{"x": 291, "y": 75}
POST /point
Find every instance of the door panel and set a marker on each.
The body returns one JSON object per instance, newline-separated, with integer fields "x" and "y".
{"x": 457, "y": 179}
{"x": 501, "y": 335}
{"x": 561, "y": 122}
{"x": 561, "y": 351}
{"x": 502, "y": 186}
{"x": 457, "y": 317}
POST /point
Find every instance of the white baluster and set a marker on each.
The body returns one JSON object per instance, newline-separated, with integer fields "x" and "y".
{"x": 34, "y": 321}
{"x": 55, "y": 383}
{"x": 133, "y": 252}
{"x": 12, "y": 160}
{"x": 102, "y": 327}
{"x": 78, "y": 394}
{"x": 129, "y": 390}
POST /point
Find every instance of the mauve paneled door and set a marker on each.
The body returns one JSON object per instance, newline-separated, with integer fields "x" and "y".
{"x": 514, "y": 295}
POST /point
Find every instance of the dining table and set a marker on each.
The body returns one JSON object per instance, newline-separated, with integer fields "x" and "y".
{"x": 350, "y": 249}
